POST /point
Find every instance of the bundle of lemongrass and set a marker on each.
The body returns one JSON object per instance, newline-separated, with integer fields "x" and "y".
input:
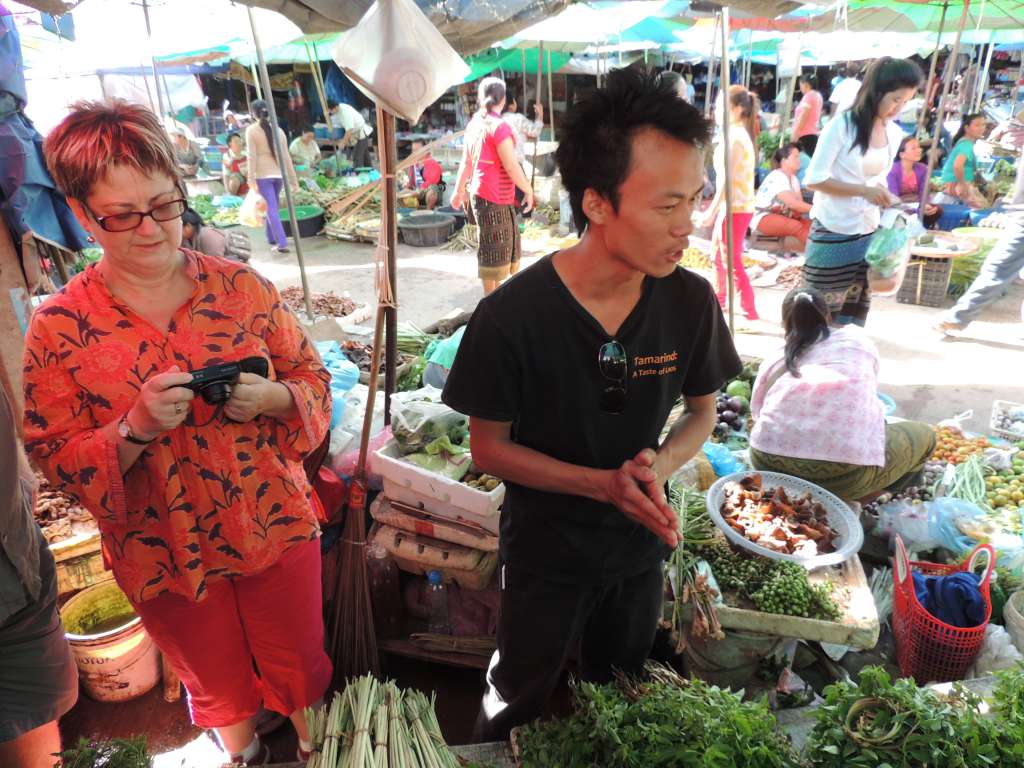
{"x": 377, "y": 725}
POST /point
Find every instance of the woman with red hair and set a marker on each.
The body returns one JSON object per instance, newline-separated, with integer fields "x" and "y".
{"x": 204, "y": 508}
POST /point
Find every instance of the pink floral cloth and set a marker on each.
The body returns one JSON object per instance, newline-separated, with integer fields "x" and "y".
{"x": 831, "y": 412}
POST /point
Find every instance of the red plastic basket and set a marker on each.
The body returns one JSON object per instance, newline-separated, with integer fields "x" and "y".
{"x": 929, "y": 650}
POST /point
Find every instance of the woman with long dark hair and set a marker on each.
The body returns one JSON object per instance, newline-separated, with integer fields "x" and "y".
{"x": 781, "y": 209}
{"x": 264, "y": 171}
{"x": 488, "y": 177}
{"x": 906, "y": 178}
{"x": 960, "y": 171}
{"x": 848, "y": 175}
{"x": 743, "y": 113}
{"x": 816, "y": 409}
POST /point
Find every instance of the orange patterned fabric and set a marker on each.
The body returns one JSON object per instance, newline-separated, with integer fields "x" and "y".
{"x": 211, "y": 499}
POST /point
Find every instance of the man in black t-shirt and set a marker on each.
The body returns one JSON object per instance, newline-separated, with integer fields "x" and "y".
{"x": 568, "y": 373}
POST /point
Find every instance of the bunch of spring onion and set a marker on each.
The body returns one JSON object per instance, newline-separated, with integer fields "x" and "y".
{"x": 377, "y": 725}
{"x": 689, "y": 585}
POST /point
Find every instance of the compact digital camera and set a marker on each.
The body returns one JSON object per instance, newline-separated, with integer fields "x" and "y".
{"x": 214, "y": 382}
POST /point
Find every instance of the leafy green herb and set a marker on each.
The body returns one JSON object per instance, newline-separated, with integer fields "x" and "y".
{"x": 662, "y": 721}
{"x": 884, "y": 723}
{"x": 107, "y": 753}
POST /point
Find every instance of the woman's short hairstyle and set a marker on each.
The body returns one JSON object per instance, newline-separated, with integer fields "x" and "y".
{"x": 98, "y": 135}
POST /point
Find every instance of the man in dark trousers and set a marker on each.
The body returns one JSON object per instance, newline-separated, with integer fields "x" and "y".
{"x": 568, "y": 373}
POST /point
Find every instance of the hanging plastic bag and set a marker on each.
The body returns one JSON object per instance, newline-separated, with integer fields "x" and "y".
{"x": 253, "y": 211}
{"x": 956, "y": 423}
{"x": 397, "y": 58}
{"x": 889, "y": 252}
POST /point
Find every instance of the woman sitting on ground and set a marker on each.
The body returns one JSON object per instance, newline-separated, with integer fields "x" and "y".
{"x": 817, "y": 414}
{"x": 959, "y": 174}
{"x": 780, "y": 207}
{"x": 907, "y": 178}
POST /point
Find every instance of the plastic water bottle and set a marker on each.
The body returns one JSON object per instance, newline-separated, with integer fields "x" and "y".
{"x": 438, "y": 597}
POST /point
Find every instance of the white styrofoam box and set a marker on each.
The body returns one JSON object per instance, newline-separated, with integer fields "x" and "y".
{"x": 406, "y": 483}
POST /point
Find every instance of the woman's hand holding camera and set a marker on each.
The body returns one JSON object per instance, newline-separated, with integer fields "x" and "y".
{"x": 253, "y": 396}
{"x": 162, "y": 404}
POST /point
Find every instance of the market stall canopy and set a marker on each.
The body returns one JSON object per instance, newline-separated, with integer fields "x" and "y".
{"x": 468, "y": 25}
{"x": 212, "y": 30}
{"x": 584, "y": 24}
{"x": 892, "y": 16}
{"x": 484, "y": 63}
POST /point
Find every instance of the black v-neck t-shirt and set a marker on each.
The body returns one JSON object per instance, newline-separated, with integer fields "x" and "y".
{"x": 530, "y": 357}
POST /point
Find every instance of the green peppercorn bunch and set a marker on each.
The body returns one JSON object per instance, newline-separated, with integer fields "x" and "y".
{"x": 773, "y": 586}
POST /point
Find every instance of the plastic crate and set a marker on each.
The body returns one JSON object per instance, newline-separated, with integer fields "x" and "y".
{"x": 926, "y": 281}
{"x": 1001, "y": 408}
{"x": 408, "y": 484}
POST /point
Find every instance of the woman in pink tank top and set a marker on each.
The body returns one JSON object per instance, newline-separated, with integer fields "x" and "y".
{"x": 488, "y": 177}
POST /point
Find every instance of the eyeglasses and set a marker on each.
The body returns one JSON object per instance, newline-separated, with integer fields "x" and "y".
{"x": 614, "y": 365}
{"x": 123, "y": 222}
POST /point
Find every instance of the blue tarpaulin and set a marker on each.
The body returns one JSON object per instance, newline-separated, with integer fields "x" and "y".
{"x": 29, "y": 200}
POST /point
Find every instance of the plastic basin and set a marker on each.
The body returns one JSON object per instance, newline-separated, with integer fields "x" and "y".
{"x": 460, "y": 215}
{"x": 310, "y": 218}
{"x": 426, "y": 230}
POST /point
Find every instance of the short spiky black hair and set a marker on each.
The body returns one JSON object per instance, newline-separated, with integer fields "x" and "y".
{"x": 595, "y": 140}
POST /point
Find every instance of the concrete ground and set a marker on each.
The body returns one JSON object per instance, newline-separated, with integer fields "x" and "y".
{"x": 930, "y": 378}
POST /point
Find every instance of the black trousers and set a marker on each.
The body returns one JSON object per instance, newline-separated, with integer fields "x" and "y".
{"x": 538, "y": 624}
{"x": 359, "y": 153}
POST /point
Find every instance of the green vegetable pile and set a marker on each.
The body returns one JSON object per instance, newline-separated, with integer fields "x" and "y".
{"x": 767, "y": 145}
{"x": 107, "y": 753}
{"x": 884, "y": 724}
{"x": 225, "y": 217}
{"x": 203, "y": 205}
{"x": 662, "y": 721}
{"x": 773, "y": 586}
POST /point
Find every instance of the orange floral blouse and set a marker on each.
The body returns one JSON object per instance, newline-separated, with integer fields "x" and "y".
{"x": 211, "y": 499}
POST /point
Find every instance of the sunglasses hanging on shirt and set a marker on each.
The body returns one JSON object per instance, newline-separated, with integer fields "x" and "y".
{"x": 614, "y": 365}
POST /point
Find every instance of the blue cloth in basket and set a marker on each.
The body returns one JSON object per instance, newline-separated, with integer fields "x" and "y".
{"x": 954, "y": 599}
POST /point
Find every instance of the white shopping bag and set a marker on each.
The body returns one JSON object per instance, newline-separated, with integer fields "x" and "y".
{"x": 398, "y": 59}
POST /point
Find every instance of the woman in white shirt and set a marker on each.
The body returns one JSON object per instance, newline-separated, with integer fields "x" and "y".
{"x": 817, "y": 414}
{"x": 780, "y": 210}
{"x": 848, "y": 175}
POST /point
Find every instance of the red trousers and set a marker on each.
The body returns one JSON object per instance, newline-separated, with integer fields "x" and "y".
{"x": 273, "y": 617}
{"x": 740, "y": 222}
{"x": 777, "y": 225}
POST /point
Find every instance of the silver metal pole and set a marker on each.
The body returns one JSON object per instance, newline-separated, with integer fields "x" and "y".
{"x": 983, "y": 80}
{"x": 152, "y": 59}
{"x": 551, "y": 100}
{"x": 946, "y": 82}
{"x": 711, "y": 71}
{"x": 726, "y": 159}
{"x": 923, "y": 117}
{"x": 280, "y": 151}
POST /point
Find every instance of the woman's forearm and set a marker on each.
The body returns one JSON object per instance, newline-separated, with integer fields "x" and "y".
{"x": 279, "y": 402}
{"x": 838, "y": 188}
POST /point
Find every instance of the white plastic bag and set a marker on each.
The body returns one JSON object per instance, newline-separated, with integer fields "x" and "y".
{"x": 398, "y": 59}
{"x": 889, "y": 251}
{"x": 253, "y": 211}
{"x": 998, "y": 652}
